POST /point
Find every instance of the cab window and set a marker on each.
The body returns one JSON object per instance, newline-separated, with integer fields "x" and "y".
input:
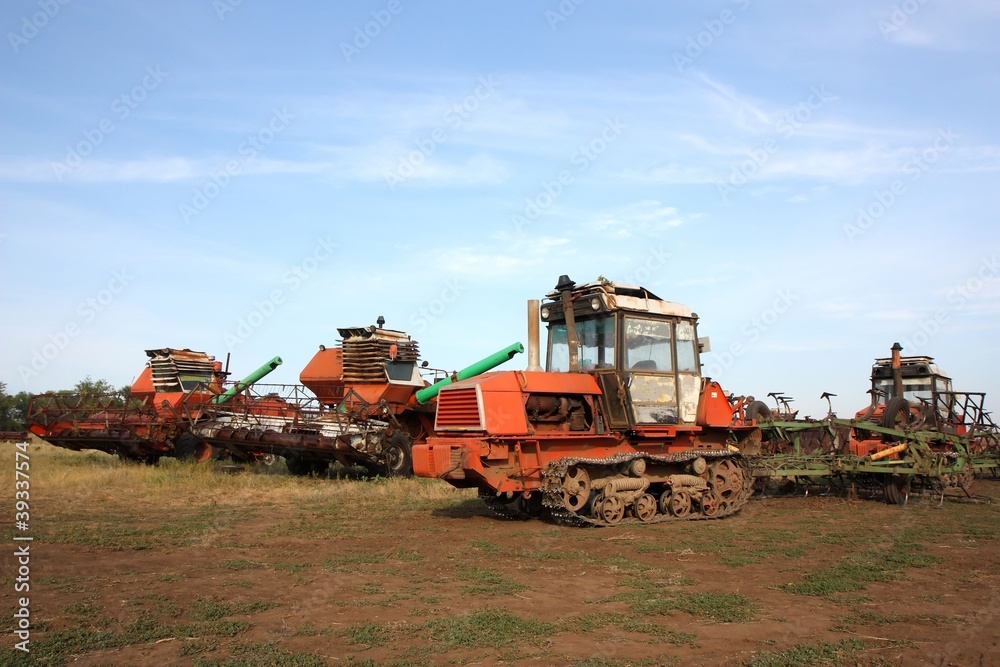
{"x": 648, "y": 345}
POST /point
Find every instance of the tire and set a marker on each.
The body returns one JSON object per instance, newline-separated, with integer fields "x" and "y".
{"x": 297, "y": 466}
{"x": 185, "y": 446}
{"x": 758, "y": 411}
{"x": 895, "y": 489}
{"x": 320, "y": 468}
{"x": 896, "y": 416}
{"x": 398, "y": 456}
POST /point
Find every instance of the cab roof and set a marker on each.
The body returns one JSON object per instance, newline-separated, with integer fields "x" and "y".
{"x": 625, "y": 296}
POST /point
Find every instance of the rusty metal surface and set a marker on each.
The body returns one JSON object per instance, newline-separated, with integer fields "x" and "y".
{"x": 178, "y": 370}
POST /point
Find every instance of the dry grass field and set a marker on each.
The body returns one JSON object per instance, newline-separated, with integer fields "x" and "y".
{"x": 182, "y": 564}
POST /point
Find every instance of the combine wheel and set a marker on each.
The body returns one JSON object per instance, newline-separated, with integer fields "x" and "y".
{"x": 709, "y": 504}
{"x": 645, "y": 507}
{"x": 679, "y": 504}
{"x": 896, "y": 489}
{"x": 297, "y": 466}
{"x": 185, "y": 446}
{"x": 610, "y": 509}
{"x": 320, "y": 468}
{"x": 398, "y": 460}
{"x": 576, "y": 488}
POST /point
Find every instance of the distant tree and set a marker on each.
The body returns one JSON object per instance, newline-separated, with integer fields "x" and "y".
{"x": 13, "y": 409}
{"x": 88, "y": 386}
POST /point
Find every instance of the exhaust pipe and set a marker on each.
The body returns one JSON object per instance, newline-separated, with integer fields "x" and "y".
{"x": 534, "y": 338}
{"x": 897, "y": 372}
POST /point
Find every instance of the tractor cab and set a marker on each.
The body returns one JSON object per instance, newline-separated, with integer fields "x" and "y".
{"x": 918, "y": 380}
{"x": 643, "y": 351}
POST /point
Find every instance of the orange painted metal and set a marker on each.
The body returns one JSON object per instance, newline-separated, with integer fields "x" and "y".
{"x": 509, "y": 454}
{"x": 323, "y": 375}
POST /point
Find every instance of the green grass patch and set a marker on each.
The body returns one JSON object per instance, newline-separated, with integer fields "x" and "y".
{"x": 241, "y": 564}
{"x": 871, "y": 618}
{"x": 489, "y": 628}
{"x": 719, "y": 607}
{"x": 845, "y": 653}
{"x": 854, "y": 573}
{"x": 214, "y": 609}
{"x": 349, "y": 562}
{"x": 603, "y": 661}
{"x": 262, "y": 654}
{"x": 662, "y": 633}
{"x": 88, "y": 607}
{"x": 487, "y": 581}
{"x": 370, "y": 635}
{"x": 739, "y": 560}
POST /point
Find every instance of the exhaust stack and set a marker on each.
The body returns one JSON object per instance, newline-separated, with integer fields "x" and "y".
{"x": 534, "y": 339}
{"x": 897, "y": 373}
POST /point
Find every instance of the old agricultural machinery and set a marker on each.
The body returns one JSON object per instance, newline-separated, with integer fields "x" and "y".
{"x": 619, "y": 428}
{"x": 916, "y": 434}
{"x": 362, "y": 403}
{"x": 175, "y": 389}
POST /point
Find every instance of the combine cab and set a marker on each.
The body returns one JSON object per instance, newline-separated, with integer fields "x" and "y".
{"x": 620, "y": 428}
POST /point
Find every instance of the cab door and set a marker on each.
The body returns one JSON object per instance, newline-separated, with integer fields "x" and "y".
{"x": 661, "y": 364}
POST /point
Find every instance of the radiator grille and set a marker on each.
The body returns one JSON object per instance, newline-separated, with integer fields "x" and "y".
{"x": 458, "y": 409}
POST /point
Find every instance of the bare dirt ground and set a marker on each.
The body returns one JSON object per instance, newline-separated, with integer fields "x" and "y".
{"x": 181, "y": 565}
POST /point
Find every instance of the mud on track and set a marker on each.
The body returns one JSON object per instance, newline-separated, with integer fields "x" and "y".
{"x": 184, "y": 566}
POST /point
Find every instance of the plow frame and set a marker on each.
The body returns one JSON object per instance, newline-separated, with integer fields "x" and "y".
{"x": 924, "y": 453}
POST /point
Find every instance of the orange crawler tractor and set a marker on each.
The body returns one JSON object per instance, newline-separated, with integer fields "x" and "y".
{"x": 620, "y": 427}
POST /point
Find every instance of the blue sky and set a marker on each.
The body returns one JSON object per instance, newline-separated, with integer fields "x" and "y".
{"x": 816, "y": 180}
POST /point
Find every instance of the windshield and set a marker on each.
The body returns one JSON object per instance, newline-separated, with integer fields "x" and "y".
{"x": 596, "y": 339}
{"x": 647, "y": 345}
{"x": 913, "y": 390}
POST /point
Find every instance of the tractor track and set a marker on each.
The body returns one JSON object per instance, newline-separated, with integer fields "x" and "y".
{"x": 553, "y": 507}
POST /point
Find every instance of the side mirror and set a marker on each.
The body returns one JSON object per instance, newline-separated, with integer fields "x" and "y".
{"x": 704, "y": 345}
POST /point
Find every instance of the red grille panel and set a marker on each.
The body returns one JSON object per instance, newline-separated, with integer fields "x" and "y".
{"x": 458, "y": 409}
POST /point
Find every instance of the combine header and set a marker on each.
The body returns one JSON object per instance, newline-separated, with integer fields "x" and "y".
{"x": 619, "y": 428}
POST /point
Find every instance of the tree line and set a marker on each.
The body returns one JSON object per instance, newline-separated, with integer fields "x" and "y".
{"x": 14, "y": 407}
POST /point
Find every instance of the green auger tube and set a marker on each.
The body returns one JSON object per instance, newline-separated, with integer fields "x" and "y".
{"x": 247, "y": 381}
{"x": 489, "y": 363}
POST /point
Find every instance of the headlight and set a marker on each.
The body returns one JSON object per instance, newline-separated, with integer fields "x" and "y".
{"x": 545, "y": 313}
{"x": 595, "y": 303}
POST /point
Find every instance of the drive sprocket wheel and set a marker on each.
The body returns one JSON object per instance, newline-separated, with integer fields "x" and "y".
{"x": 727, "y": 481}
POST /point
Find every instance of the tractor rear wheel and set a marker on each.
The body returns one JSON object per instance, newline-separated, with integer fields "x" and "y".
{"x": 896, "y": 416}
{"x": 757, "y": 410}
